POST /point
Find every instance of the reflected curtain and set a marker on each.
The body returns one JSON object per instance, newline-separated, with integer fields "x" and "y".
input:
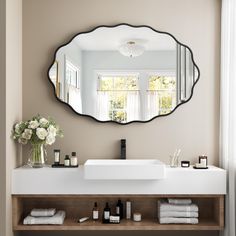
{"x": 74, "y": 97}
{"x": 102, "y": 106}
{"x": 133, "y": 106}
{"x": 152, "y": 106}
{"x": 228, "y": 109}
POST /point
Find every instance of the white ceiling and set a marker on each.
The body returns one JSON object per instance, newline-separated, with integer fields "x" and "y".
{"x": 111, "y": 38}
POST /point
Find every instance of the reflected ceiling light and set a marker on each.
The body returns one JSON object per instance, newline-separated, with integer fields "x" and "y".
{"x": 131, "y": 49}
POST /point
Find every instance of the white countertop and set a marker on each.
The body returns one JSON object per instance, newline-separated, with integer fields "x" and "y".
{"x": 47, "y": 180}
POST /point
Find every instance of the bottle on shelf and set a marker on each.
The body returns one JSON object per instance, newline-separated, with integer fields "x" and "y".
{"x": 95, "y": 212}
{"x": 119, "y": 209}
{"x": 67, "y": 160}
{"x": 128, "y": 209}
{"x": 73, "y": 159}
{"x": 106, "y": 214}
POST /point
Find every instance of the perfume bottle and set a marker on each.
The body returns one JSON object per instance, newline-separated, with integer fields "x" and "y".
{"x": 67, "y": 160}
{"x": 119, "y": 209}
{"x": 106, "y": 214}
{"x": 73, "y": 159}
{"x": 95, "y": 211}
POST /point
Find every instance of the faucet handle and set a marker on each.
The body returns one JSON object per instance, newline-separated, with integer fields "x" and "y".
{"x": 123, "y": 141}
{"x": 123, "y": 149}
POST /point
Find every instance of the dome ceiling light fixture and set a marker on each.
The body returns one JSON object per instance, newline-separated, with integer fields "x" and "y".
{"x": 131, "y": 49}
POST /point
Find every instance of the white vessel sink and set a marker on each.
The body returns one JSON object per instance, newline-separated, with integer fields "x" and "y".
{"x": 136, "y": 169}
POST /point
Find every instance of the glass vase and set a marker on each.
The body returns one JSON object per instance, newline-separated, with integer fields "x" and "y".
{"x": 37, "y": 156}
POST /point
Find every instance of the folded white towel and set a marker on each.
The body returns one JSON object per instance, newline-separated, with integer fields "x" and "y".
{"x": 173, "y": 220}
{"x": 185, "y": 214}
{"x": 164, "y": 206}
{"x": 43, "y": 212}
{"x": 179, "y": 201}
{"x": 57, "y": 219}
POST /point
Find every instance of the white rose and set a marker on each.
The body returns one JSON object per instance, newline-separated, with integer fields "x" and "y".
{"x": 33, "y": 124}
{"x": 17, "y": 128}
{"x": 27, "y": 134}
{"x": 22, "y": 141}
{"x": 52, "y": 130}
{"x": 50, "y": 139}
{"x": 41, "y": 133}
{"x": 43, "y": 121}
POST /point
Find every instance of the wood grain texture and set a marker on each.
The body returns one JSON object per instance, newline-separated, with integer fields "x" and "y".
{"x": 211, "y": 211}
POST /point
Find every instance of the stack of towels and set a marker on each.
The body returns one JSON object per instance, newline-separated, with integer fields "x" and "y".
{"x": 45, "y": 217}
{"x": 177, "y": 211}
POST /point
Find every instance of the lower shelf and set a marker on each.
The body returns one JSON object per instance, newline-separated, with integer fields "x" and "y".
{"x": 71, "y": 224}
{"x": 211, "y": 212}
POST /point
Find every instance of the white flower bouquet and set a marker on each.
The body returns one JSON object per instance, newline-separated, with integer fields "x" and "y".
{"x": 38, "y": 131}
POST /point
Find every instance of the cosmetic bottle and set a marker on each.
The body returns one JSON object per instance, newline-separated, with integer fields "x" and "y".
{"x": 128, "y": 209}
{"x": 67, "y": 160}
{"x": 95, "y": 211}
{"x": 119, "y": 209}
{"x": 73, "y": 159}
{"x": 56, "y": 156}
{"x": 106, "y": 214}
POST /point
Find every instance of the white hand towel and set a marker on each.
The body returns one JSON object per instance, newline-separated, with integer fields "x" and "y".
{"x": 179, "y": 201}
{"x": 43, "y": 212}
{"x": 163, "y": 206}
{"x": 185, "y": 214}
{"x": 57, "y": 219}
{"x": 173, "y": 220}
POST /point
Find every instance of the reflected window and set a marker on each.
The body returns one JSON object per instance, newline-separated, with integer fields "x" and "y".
{"x": 118, "y": 97}
{"x": 73, "y": 93}
{"x": 161, "y": 95}
{"x": 72, "y": 74}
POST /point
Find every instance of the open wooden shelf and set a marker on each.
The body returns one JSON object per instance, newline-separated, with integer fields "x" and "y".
{"x": 145, "y": 224}
{"x": 211, "y": 212}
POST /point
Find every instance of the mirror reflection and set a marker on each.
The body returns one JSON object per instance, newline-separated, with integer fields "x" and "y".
{"x": 123, "y": 73}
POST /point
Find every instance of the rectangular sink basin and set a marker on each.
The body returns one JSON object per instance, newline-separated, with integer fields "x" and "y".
{"x": 134, "y": 169}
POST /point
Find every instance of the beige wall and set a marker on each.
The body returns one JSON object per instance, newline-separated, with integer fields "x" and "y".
{"x": 193, "y": 127}
{"x": 47, "y": 24}
{"x": 11, "y": 102}
{"x": 2, "y": 117}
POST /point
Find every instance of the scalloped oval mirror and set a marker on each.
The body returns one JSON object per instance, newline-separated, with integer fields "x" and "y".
{"x": 123, "y": 73}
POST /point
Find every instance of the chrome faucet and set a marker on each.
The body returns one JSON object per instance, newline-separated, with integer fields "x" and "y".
{"x": 123, "y": 149}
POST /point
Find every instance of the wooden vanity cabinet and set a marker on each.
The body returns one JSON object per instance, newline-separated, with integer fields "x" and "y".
{"x": 211, "y": 211}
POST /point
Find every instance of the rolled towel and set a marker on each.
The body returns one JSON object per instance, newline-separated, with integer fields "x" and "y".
{"x": 57, "y": 219}
{"x": 185, "y": 214}
{"x": 43, "y": 212}
{"x": 164, "y": 206}
{"x": 173, "y": 220}
{"x": 179, "y": 201}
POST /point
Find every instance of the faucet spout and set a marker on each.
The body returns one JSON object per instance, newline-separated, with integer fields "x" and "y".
{"x": 123, "y": 149}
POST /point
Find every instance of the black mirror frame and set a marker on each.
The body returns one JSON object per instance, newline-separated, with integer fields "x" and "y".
{"x": 134, "y": 26}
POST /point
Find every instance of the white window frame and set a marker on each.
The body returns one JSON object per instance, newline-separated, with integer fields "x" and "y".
{"x": 167, "y": 73}
{"x": 68, "y": 61}
{"x": 116, "y": 73}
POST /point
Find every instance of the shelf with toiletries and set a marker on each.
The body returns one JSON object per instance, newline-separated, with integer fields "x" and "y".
{"x": 210, "y": 211}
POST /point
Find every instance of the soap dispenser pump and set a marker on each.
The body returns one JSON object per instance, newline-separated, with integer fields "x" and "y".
{"x": 123, "y": 149}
